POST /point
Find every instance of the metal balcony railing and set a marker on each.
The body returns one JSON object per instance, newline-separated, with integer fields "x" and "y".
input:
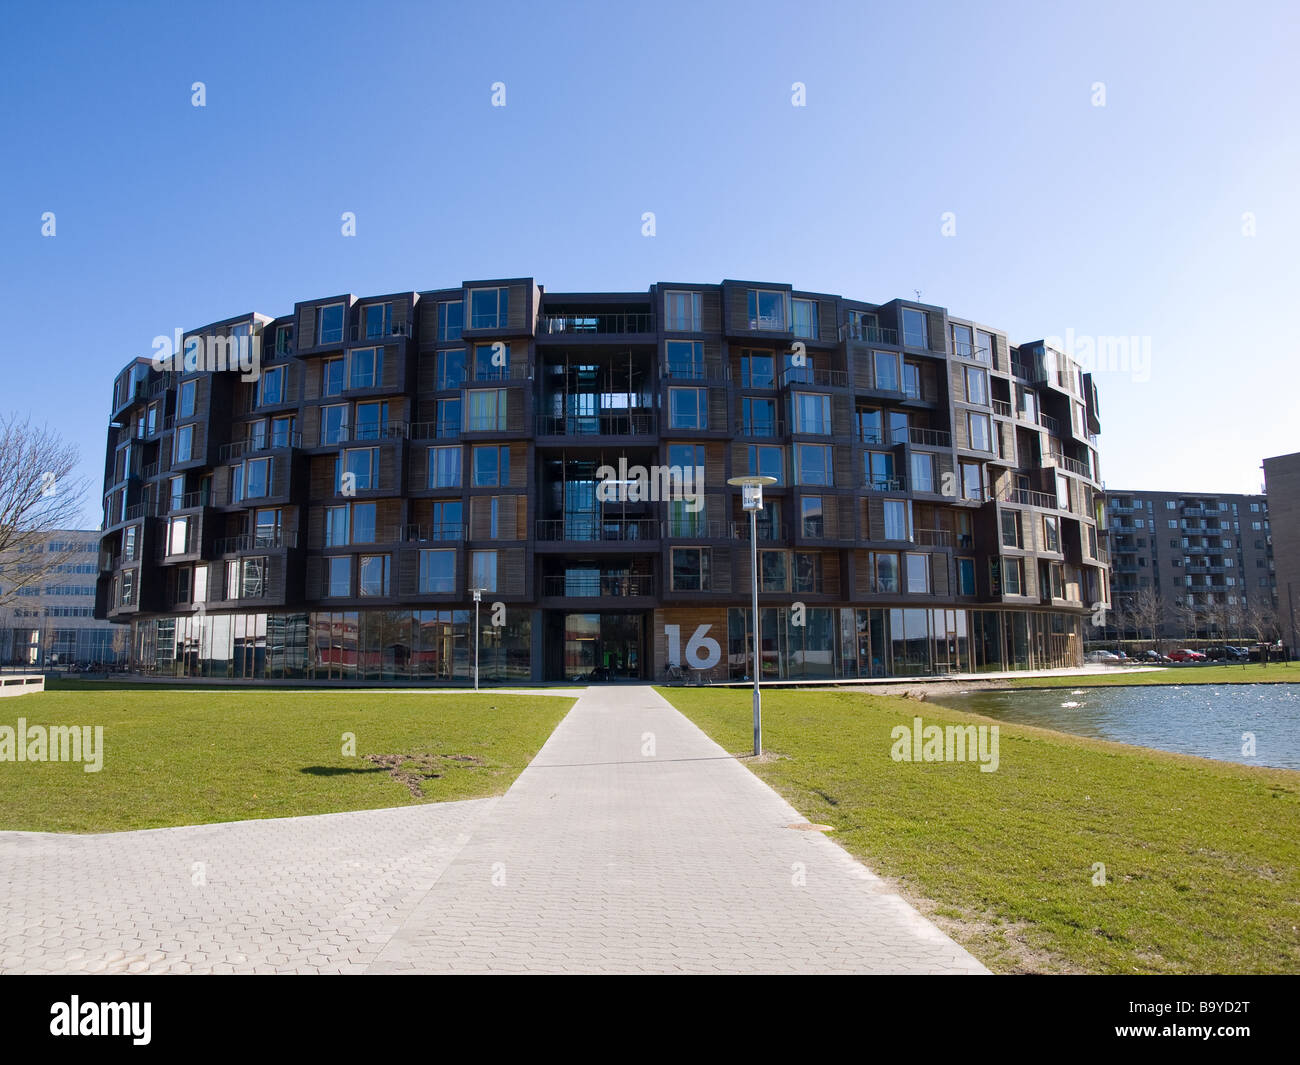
{"x": 1049, "y": 423}
{"x": 1029, "y": 498}
{"x": 446, "y": 429}
{"x": 435, "y": 532}
{"x": 767, "y": 532}
{"x": 239, "y": 448}
{"x": 592, "y": 529}
{"x": 269, "y": 540}
{"x": 604, "y": 586}
{"x": 871, "y": 334}
{"x": 616, "y": 323}
{"x": 884, "y": 484}
{"x": 602, "y": 423}
{"x": 349, "y": 434}
{"x": 359, "y": 331}
{"x": 1002, "y": 408}
{"x": 932, "y": 537}
{"x": 688, "y": 528}
{"x": 812, "y": 375}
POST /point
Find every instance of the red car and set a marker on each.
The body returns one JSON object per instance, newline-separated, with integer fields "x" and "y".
{"x": 1186, "y": 655}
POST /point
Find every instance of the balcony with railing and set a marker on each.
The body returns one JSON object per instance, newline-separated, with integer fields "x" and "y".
{"x": 883, "y": 484}
{"x": 1074, "y": 466}
{"x": 267, "y": 540}
{"x": 760, "y": 428}
{"x": 1049, "y": 423}
{"x": 615, "y": 323}
{"x": 870, "y": 334}
{"x": 769, "y": 532}
{"x": 1026, "y": 497}
{"x": 600, "y": 423}
{"x": 815, "y": 376}
{"x": 590, "y": 529}
{"x": 693, "y": 527}
{"x": 360, "y": 332}
{"x": 434, "y": 532}
{"x": 351, "y": 434}
{"x": 932, "y": 537}
{"x": 442, "y": 429}
{"x": 1002, "y": 408}
{"x": 598, "y": 586}
{"x": 239, "y": 448}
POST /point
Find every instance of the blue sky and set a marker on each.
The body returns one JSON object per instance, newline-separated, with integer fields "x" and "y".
{"x": 1123, "y": 220}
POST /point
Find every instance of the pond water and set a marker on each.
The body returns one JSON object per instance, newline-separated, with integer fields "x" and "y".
{"x": 1207, "y": 720}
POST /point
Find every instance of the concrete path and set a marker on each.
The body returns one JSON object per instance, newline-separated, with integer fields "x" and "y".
{"x": 631, "y": 843}
{"x": 605, "y": 858}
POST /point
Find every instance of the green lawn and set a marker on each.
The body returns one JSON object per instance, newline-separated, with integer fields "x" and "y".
{"x": 178, "y": 757}
{"x": 1250, "y": 673}
{"x": 1202, "y": 858}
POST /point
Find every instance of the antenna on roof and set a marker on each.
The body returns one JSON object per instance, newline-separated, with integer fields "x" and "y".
{"x": 918, "y": 294}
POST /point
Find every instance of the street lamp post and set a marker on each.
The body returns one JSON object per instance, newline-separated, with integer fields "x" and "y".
{"x": 752, "y": 501}
{"x": 478, "y": 598}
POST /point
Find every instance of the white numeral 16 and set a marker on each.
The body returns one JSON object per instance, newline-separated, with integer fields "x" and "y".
{"x": 702, "y": 651}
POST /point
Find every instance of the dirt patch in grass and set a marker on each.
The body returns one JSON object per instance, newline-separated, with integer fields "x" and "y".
{"x": 414, "y": 770}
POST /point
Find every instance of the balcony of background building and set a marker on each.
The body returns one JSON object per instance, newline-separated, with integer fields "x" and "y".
{"x": 598, "y": 323}
{"x": 598, "y": 586}
{"x": 592, "y": 529}
{"x": 613, "y": 422}
{"x": 239, "y": 448}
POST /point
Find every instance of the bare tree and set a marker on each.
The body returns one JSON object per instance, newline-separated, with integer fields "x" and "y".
{"x": 38, "y": 495}
{"x": 1149, "y": 613}
{"x": 1187, "y": 618}
{"x": 1261, "y": 619}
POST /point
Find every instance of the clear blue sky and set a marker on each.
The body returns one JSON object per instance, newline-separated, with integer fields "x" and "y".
{"x": 1122, "y": 220}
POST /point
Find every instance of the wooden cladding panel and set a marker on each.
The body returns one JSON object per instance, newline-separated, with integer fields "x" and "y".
{"x": 689, "y": 621}
{"x": 711, "y": 311}
{"x": 306, "y": 331}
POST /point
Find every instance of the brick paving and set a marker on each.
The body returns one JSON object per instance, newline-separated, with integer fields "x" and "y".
{"x": 632, "y": 843}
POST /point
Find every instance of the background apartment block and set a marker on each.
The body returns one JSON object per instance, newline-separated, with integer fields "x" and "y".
{"x": 1282, "y": 482}
{"x": 1206, "y": 555}
{"x": 936, "y": 506}
{"x": 54, "y": 621}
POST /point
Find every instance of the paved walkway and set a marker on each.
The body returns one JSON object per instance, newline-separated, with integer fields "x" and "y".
{"x": 600, "y": 858}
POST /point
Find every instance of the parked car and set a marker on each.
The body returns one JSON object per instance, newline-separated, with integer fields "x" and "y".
{"x": 1152, "y": 657}
{"x": 1106, "y": 658}
{"x": 1186, "y": 654}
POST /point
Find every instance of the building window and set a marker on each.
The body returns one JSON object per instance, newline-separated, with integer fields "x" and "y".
{"x": 757, "y": 370}
{"x": 484, "y": 569}
{"x": 489, "y": 308}
{"x": 690, "y": 569}
{"x": 961, "y": 344}
{"x": 978, "y": 425}
{"x": 257, "y": 479}
{"x": 688, "y": 408}
{"x": 178, "y": 536}
{"x": 376, "y": 319}
{"x": 774, "y": 571}
{"x": 682, "y": 312}
{"x": 808, "y": 572}
{"x": 232, "y": 579}
{"x": 916, "y": 331}
{"x": 185, "y": 443}
{"x": 813, "y": 464}
{"x": 444, "y": 467}
{"x": 200, "y": 584}
{"x": 965, "y": 576}
{"x": 812, "y": 413}
{"x": 766, "y": 460}
{"x": 363, "y": 523}
{"x": 812, "y": 517}
{"x": 1051, "y": 534}
{"x": 362, "y": 464}
{"x": 878, "y": 468}
{"x": 805, "y": 318}
{"x": 185, "y": 401}
{"x": 451, "y": 369}
{"x": 885, "y": 567}
{"x": 685, "y": 359}
{"x": 371, "y": 420}
{"x": 372, "y": 575}
{"x": 491, "y": 362}
{"x": 896, "y": 519}
{"x": 451, "y": 320}
{"x": 758, "y": 416}
{"x": 336, "y": 526}
{"x": 922, "y": 471}
{"x": 365, "y": 368}
{"x": 983, "y": 347}
{"x": 334, "y": 424}
{"x": 339, "y": 570}
{"x": 491, "y": 466}
{"x": 270, "y": 387}
{"x": 253, "y": 585}
{"x": 331, "y": 377}
{"x": 330, "y": 329}
{"x": 972, "y": 480}
{"x": 918, "y": 573}
{"x": 1013, "y": 576}
{"x": 1011, "y": 530}
{"x": 766, "y": 309}
{"x": 886, "y": 366}
{"x": 437, "y": 572}
{"x": 486, "y": 411}
{"x": 977, "y": 386}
